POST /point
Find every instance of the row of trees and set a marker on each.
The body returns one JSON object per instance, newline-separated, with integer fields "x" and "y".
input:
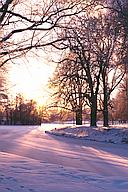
{"x": 19, "y": 112}
{"x": 25, "y": 112}
{"x": 96, "y": 62}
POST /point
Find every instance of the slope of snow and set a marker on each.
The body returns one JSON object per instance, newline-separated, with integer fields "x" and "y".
{"x": 32, "y": 161}
{"x": 112, "y": 135}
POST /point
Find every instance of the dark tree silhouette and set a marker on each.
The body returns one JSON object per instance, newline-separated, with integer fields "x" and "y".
{"x": 26, "y": 25}
{"x": 69, "y": 86}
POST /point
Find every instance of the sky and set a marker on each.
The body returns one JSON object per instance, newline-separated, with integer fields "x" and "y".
{"x": 30, "y": 77}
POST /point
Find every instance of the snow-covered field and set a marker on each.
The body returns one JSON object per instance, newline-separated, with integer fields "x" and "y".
{"x": 33, "y": 161}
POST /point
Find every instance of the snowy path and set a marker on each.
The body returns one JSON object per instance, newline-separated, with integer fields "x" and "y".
{"x": 32, "y": 161}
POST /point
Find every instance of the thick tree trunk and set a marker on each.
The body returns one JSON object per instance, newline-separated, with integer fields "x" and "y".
{"x": 79, "y": 116}
{"x": 93, "y": 122}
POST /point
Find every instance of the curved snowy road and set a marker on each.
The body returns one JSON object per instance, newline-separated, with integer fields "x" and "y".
{"x": 32, "y": 161}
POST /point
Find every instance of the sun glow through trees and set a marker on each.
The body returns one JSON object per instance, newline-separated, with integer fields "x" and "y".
{"x": 30, "y": 79}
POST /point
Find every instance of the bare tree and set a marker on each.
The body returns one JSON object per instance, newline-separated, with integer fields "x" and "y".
{"x": 69, "y": 86}
{"x": 111, "y": 56}
{"x": 82, "y": 42}
{"x": 26, "y": 25}
{"x": 98, "y": 43}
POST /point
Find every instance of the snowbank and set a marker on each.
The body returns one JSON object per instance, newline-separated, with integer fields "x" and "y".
{"x": 112, "y": 135}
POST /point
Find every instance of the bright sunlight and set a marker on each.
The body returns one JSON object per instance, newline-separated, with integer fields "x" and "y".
{"x": 30, "y": 79}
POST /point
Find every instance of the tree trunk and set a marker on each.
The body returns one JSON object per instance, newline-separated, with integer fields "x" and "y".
{"x": 105, "y": 111}
{"x": 105, "y": 101}
{"x": 93, "y": 122}
{"x": 79, "y": 116}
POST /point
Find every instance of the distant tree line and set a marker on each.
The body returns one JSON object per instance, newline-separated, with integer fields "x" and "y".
{"x": 20, "y": 112}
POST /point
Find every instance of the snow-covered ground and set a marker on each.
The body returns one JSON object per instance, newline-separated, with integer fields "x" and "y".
{"x": 33, "y": 161}
{"x": 113, "y": 134}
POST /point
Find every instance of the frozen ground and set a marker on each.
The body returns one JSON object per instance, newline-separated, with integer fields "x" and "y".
{"x": 32, "y": 161}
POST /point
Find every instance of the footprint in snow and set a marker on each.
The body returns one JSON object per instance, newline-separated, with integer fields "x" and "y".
{"x": 32, "y": 190}
{"x": 22, "y": 186}
{"x": 9, "y": 189}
